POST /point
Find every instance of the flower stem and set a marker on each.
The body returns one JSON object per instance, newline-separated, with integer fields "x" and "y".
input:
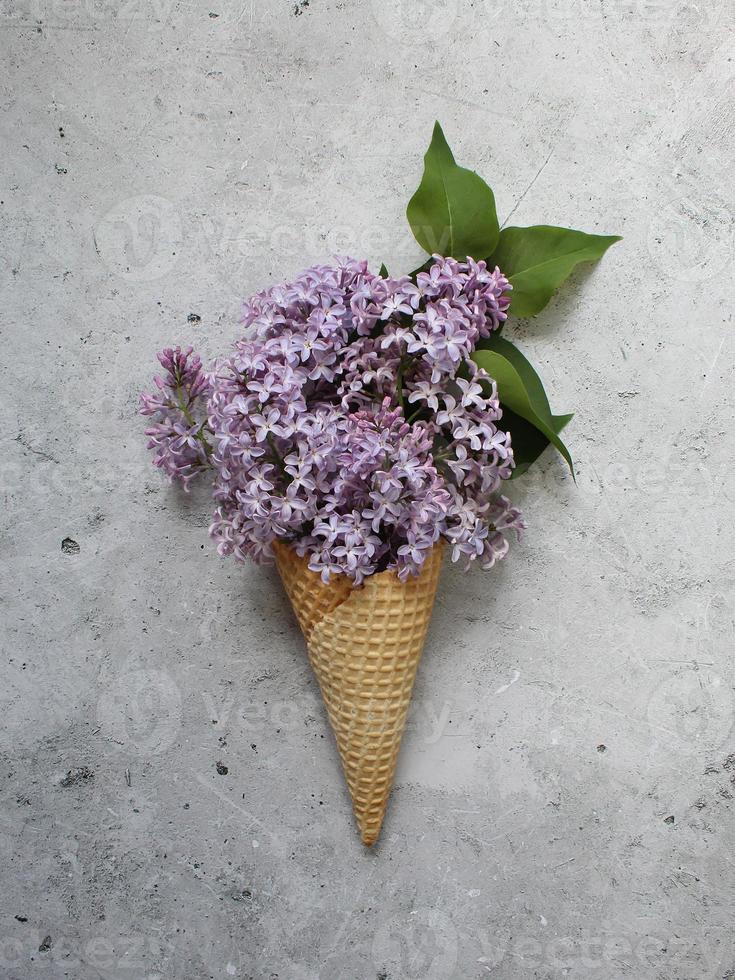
{"x": 399, "y": 385}
{"x": 192, "y": 421}
{"x": 277, "y": 456}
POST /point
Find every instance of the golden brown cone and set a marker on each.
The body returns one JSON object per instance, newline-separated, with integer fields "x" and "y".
{"x": 364, "y": 646}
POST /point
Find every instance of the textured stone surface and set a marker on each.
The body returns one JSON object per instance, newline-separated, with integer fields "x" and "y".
{"x": 172, "y": 805}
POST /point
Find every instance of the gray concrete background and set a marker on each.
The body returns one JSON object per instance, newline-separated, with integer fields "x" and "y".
{"x": 564, "y": 806}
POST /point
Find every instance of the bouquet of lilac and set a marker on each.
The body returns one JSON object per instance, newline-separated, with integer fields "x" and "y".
{"x": 351, "y": 420}
{"x": 362, "y": 421}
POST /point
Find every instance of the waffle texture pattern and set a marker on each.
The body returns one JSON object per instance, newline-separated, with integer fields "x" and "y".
{"x": 364, "y": 646}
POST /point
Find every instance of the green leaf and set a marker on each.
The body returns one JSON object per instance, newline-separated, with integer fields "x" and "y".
{"x": 528, "y": 442}
{"x": 453, "y": 210}
{"x": 520, "y": 390}
{"x": 538, "y": 259}
{"x": 383, "y": 271}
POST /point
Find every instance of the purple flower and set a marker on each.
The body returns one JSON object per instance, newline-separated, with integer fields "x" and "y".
{"x": 349, "y": 420}
{"x": 426, "y": 391}
{"x": 269, "y": 425}
{"x": 178, "y": 436}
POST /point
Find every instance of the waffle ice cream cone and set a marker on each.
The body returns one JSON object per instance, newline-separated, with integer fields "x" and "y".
{"x": 364, "y": 646}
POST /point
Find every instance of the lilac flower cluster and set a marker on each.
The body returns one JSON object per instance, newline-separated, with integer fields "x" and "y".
{"x": 178, "y": 437}
{"x": 351, "y": 420}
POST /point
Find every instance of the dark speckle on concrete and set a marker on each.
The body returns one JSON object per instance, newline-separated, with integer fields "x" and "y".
{"x": 70, "y": 547}
{"x": 79, "y": 775}
{"x": 240, "y": 894}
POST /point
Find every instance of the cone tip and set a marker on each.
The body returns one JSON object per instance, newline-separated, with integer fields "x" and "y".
{"x": 369, "y": 832}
